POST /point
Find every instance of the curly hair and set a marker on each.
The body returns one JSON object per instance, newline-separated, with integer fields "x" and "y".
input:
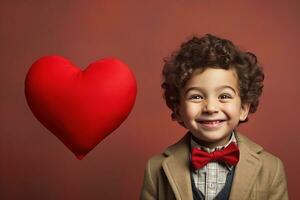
{"x": 210, "y": 51}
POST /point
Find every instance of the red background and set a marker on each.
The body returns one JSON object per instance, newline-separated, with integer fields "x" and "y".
{"x": 35, "y": 165}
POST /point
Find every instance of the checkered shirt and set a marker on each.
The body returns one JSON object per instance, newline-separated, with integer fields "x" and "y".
{"x": 212, "y": 177}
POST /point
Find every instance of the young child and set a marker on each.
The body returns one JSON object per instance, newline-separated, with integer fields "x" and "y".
{"x": 211, "y": 86}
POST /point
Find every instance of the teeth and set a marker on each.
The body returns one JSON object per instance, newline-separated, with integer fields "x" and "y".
{"x": 211, "y": 122}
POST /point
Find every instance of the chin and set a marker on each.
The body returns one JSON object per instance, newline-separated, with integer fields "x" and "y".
{"x": 211, "y": 138}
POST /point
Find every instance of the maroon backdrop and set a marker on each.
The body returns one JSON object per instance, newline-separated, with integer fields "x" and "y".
{"x": 35, "y": 165}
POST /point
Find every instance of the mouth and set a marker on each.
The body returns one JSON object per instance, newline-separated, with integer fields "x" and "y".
{"x": 209, "y": 124}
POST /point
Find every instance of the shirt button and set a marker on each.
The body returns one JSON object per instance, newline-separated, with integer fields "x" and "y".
{"x": 212, "y": 185}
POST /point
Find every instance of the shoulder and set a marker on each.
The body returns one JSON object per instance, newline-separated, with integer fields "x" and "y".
{"x": 180, "y": 150}
{"x": 254, "y": 148}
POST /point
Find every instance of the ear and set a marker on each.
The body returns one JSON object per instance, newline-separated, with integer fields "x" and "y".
{"x": 176, "y": 114}
{"x": 244, "y": 111}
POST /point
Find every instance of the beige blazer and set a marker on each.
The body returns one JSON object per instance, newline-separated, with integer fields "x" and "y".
{"x": 258, "y": 174}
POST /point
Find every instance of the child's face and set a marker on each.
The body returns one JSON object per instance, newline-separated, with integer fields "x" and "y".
{"x": 210, "y": 105}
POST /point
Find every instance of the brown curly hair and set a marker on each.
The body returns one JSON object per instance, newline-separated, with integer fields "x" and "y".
{"x": 210, "y": 51}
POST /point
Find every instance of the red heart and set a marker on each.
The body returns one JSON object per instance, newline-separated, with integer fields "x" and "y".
{"x": 79, "y": 107}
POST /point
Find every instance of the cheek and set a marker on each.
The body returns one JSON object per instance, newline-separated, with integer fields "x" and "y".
{"x": 190, "y": 110}
{"x": 232, "y": 109}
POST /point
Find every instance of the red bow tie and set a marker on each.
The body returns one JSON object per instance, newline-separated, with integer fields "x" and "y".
{"x": 230, "y": 155}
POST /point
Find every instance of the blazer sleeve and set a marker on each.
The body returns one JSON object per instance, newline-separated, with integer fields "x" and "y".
{"x": 278, "y": 187}
{"x": 148, "y": 189}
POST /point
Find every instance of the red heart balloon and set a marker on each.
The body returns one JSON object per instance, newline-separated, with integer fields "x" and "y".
{"x": 80, "y": 107}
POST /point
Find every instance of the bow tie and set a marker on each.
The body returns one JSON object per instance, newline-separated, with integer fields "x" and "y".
{"x": 230, "y": 155}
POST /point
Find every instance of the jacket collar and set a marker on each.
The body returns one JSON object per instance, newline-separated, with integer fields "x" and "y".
{"x": 176, "y": 168}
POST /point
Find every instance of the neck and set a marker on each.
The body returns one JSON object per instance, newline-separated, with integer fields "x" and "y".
{"x": 211, "y": 145}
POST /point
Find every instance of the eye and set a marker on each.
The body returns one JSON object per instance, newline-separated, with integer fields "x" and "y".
{"x": 195, "y": 97}
{"x": 225, "y": 96}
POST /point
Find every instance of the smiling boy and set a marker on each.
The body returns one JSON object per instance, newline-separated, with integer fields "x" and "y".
{"x": 211, "y": 86}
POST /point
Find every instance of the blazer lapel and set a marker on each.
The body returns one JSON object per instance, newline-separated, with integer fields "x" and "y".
{"x": 246, "y": 170}
{"x": 176, "y": 168}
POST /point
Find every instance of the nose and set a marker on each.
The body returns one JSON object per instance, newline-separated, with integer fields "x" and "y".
{"x": 210, "y": 106}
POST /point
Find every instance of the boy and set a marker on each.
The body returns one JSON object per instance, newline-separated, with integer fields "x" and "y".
{"x": 211, "y": 86}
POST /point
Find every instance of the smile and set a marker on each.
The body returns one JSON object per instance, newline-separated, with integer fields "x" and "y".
{"x": 211, "y": 124}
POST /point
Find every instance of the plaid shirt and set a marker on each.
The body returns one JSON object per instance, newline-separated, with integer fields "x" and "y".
{"x": 212, "y": 177}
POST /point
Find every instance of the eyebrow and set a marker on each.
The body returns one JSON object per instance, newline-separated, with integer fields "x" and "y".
{"x": 218, "y": 88}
